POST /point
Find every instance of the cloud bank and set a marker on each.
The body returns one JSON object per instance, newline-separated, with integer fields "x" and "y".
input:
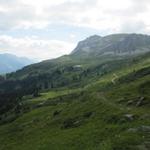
{"x": 33, "y": 47}
{"x": 106, "y": 16}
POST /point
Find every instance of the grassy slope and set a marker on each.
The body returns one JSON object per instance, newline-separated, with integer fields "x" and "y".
{"x": 91, "y": 118}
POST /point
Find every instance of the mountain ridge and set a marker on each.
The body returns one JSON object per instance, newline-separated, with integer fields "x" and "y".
{"x": 113, "y": 44}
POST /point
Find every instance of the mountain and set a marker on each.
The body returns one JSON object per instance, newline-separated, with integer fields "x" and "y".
{"x": 10, "y": 63}
{"x": 116, "y": 44}
{"x": 93, "y": 50}
{"x": 85, "y": 100}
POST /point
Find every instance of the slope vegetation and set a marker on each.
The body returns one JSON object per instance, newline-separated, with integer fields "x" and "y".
{"x": 106, "y": 110}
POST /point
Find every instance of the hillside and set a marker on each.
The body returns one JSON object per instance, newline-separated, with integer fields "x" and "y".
{"x": 101, "y": 115}
{"x": 80, "y": 102}
{"x": 10, "y": 63}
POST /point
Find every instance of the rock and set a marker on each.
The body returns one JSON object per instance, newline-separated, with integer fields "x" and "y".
{"x": 71, "y": 123}
{"x": 40, "y": 104}
{"x": 56, "y": 113}
{"x": 77, "y": 123}
{"x": 144, "y": 128}
{"x": 129, "y": 117}
{"x": 136, "y": 102}
{"x": 140, "y": 102}
{"x": 132, "y": 130}
{"x": 130, "y": 102}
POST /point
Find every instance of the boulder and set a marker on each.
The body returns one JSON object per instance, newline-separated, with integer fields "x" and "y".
{"x": 129, "y": 117}
{"x": 142, "y": 128}
{"x": 140, "y": 101}
{"x": 56, "y": 113}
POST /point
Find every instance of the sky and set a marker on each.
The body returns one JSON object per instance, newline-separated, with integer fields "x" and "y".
{"x": 46, "y": 29}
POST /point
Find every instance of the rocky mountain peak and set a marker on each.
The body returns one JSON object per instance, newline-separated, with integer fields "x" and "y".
{"x": 113, "y": 44}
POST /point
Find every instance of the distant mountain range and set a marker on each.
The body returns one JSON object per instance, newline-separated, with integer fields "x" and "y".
{"x": 10, "y": 63}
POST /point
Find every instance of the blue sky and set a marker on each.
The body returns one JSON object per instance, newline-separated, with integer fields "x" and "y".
{"x": 45, "y": 29}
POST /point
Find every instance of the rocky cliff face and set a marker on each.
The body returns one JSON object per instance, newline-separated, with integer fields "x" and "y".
{"x": 113, "y": 44}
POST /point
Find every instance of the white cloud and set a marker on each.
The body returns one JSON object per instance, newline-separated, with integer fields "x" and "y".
{"x": 99, "y": 14}
{"x": 33, "y": 47}
{"x": 107, "y": 16}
